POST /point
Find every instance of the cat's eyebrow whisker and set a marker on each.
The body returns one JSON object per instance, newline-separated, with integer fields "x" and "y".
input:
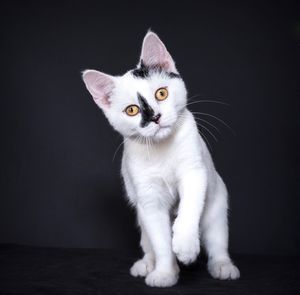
{"x": 218, "y": 119}
{"x": 204, "y": 100}
{"x": 207, "y": 101}
{"x": 193, "y": 96}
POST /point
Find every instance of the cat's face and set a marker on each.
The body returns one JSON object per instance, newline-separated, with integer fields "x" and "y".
{"x": 145, "y": 102}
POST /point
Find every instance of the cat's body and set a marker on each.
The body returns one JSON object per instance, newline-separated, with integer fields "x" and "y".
{"x": 166, "y": 168}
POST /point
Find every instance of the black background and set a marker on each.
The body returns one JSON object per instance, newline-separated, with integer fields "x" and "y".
{"x": 59, "y": 185}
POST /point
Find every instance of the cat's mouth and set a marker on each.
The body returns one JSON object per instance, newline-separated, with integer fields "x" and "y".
{"x": 157, "y": 131}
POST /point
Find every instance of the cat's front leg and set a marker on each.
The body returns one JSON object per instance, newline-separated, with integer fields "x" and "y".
{"x": 192, "y": 190}
{"x": 144, "y": 266}
{"x": 156, "y": 221}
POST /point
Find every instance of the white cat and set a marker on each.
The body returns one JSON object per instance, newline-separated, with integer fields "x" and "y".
{"x": 165, "y": 163}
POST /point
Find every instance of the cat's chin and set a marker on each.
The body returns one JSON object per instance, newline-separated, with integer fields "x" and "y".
{"x": 162, "y": 133}
{"x": 156, "y": 134}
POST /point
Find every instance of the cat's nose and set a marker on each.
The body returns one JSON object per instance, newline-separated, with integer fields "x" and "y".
{"x": 156, "y": 118}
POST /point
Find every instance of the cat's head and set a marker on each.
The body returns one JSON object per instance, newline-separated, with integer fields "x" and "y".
{"x": 145, "y": 102}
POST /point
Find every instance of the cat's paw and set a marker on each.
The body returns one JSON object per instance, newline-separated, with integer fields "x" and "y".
{"x": 142, "y": 267}
{"x": 162, "y": 279}
{"x": 186, "y": 247}
{"x": 223, "y": 270}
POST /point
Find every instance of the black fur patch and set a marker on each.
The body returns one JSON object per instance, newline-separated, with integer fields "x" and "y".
{"x": 144, "y": 71}
{"x": 146, "y": 111}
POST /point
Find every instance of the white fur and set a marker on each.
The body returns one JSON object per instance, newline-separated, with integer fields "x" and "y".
{"x": 162, "y": 164}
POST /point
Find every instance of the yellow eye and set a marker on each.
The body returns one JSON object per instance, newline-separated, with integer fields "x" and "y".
{"x": 161, "y": 93}
{"x": 132, "y": 110}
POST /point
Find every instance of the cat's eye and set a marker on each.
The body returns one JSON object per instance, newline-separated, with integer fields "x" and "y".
{"x": 161, "y": 94}
{"x": 132, "y": 110}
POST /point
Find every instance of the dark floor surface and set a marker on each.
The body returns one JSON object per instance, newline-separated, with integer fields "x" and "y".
{"x": 33, "y": 270}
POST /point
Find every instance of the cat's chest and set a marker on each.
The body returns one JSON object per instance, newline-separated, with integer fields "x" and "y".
{"x": 156, "y": 166}
{"x": 157, "y": 172}
{"x": 152, "y": 164}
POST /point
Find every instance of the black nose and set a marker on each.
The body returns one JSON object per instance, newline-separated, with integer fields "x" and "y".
{"x": 156, "y": 118}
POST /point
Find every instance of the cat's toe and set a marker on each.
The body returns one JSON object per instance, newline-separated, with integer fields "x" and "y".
{"x": 186, "y": 249}
{"x": 223, "y": 270}
{"x": 162, "y": 279}
{"x": 142, "y": 267}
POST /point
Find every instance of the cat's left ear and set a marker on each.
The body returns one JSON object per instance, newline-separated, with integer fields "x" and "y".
{"x": 155, "y": 53}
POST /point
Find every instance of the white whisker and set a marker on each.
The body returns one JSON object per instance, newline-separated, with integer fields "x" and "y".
{"x": 206, "y": 140}
{"x": 207, "y": 101}
{"x": 119, "y": 146}
{"x": 207, "y": 122}
{"x": 213, "y": 136}
{"x": 218, "y": 119}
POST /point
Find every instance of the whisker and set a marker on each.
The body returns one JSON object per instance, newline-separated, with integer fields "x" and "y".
{"x": 207, "y": 122}
{"x": 193, "y": 96}
{"x": 218, "y": 119}
{"x": 146, "y": 141}
{"x": 139, "y": 139}
{"x": 151, "y": 143}
{"x": 207, "y": 101}
{"x": 119, "y": 146}
{"x": 213, "y": 136}
{"x": 205, "y": 140}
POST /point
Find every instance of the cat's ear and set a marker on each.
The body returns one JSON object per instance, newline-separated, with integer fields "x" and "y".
{"x": 155, "y": 53}
{"x": 100, "y": 86}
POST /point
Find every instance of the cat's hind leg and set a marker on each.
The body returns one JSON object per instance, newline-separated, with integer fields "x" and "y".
{"x": 214, "y": 232}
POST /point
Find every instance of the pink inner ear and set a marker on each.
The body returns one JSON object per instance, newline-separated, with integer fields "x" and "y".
{"x": 104, "y": 88}
{"x": 154, "y": 52}
{"x": 99, "y": 85}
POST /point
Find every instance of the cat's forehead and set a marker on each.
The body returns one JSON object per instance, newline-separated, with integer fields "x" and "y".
{"x": 127, "y": 88}
{"x": 144, "y": 71}
{"x": 154, "y": 79}
{"x": 130, "y": 84}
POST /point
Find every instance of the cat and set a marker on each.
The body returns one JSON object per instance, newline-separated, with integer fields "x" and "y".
{"x": 166, "y": 167}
